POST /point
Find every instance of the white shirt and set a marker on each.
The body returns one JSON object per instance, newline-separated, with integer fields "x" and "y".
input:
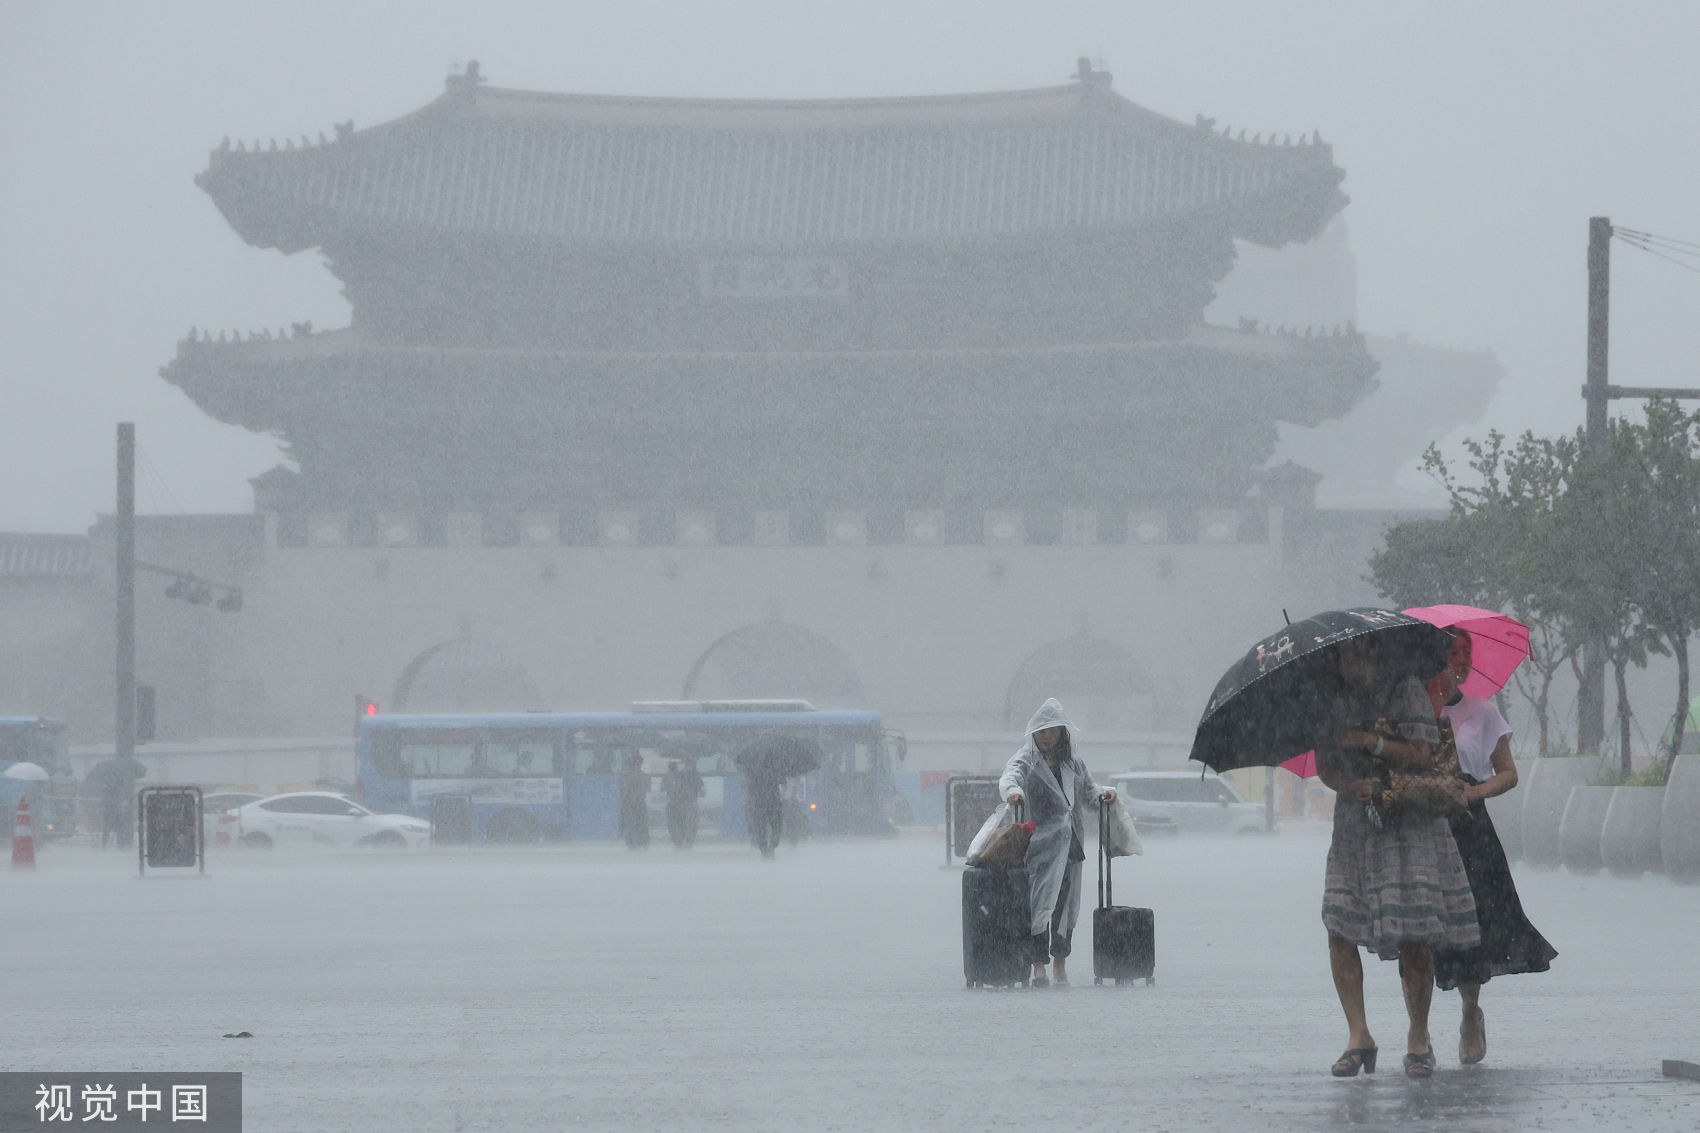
{"x": 1477, "y": 727}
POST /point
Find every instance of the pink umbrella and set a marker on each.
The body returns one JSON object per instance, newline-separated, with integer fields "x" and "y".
{"x": 1499, "y": 644}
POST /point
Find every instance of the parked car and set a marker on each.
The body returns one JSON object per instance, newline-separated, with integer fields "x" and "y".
{"x": 327, "y": 819}
{"x": 216, "y": 803}
{"x": 1185, "y": 801}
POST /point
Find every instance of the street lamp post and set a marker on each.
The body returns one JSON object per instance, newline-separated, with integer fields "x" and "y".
{"x": 126, "y": 672}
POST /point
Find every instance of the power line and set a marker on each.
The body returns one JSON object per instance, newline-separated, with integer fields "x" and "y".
{"x": 1673, "y": 249}
{"x": 1636, "y": 232}
{"x": 1652, "y": 251}
{"x": 157, "y": 483}
{"x": 1677, "y": 247}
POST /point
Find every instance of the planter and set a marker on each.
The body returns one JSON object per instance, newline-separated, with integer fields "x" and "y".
{"x": 1579, "y": 829}
{"x": 1679, "y": 822}
{"x": 1507, "y": 812}
{"x": 1629, "y": 840}
{"x": 1550, "y": 783}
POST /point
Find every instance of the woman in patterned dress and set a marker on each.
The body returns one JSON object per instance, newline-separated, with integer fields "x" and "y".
{"x": 1397, "y": 889}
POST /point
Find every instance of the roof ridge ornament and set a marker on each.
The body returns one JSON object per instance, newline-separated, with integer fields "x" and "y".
{"x": 467, "y": 81}
{"x": 1087, "y": 77}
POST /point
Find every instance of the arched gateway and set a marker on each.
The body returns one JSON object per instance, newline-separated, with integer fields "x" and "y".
{"x": 775, "y": 659}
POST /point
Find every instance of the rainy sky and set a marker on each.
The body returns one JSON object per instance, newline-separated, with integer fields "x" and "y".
{"x": 1477, "y": 138}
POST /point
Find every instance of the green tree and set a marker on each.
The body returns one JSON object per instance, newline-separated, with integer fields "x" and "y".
{"x": 1660, "y": 479}
{"x": 1490, "y": 551}
{"x": 1581, "y": 543}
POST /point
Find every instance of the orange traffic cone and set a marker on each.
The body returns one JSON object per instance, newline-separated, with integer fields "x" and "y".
{"x": 221, "y": 832}
{"x": 23, "y": 837}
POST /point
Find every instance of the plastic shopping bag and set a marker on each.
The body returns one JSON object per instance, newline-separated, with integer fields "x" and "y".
{"x": 1002, "y": 841}
{"x": 1120, "y": 838}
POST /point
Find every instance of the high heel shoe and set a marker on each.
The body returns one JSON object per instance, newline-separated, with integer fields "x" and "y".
{"x": 1356, "y": 1058}
{"x": 1420, "y": 1065}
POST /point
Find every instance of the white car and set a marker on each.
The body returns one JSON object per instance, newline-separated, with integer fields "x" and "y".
{"x": 1177, "y": 801}
{"x": 215, "y": 803}
{"x": 326, "y": 819}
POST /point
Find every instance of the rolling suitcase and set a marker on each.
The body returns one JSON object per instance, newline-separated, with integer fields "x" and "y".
{"x": 997, "y": 941}
{"x": 1124, "y": 940}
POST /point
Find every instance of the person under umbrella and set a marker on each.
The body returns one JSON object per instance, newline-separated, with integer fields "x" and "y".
{"x": 113, "y": 782}
{"x": 1509, "y": 944}
{"x": 1058, "y": 791}
{"x": 766, "y": 765}
{"x": 1395, "y": 888}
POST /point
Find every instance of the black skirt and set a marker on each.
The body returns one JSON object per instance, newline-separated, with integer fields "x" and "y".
{"x": 1510, "y": 944}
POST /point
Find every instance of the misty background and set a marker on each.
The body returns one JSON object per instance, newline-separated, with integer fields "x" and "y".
{"x": 1477, "y": 141}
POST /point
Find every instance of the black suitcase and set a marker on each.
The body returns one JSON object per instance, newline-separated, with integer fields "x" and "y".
{"x": 1124, "y": 940}
{"x": 997, "y": 938}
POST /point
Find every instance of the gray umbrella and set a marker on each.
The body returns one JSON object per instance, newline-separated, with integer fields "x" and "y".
{"x": 778, "y": 757}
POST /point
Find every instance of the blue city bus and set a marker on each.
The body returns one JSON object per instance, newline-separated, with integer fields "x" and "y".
{"x": 525, "y": 777}
{"x": 53, "y": 804}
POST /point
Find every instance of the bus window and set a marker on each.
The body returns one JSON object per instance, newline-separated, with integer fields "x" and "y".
{"x": 407, "y": 755}
{"x": 519, "y": 759}
{"x": 436, "y": 761}
{"x": 15, "y": 745}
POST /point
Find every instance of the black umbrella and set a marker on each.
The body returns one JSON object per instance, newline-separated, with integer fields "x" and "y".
{"x": 1276, "y": 701}
{"x": 778, "y": 757}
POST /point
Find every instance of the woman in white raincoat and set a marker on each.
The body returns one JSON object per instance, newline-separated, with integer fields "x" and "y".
{"x": 1059, "y": 793}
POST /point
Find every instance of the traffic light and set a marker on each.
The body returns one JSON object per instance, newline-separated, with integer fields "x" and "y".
{"x": 144, "y": 714}
{"x": 362, "y": 709}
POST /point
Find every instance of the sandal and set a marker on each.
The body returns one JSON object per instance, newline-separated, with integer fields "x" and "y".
{"x": 1472, "y": 1037}
{"x": 1356, "y": 1058}
{"x": 1420, "y": 1065}
{"x": 1041, "y": 981}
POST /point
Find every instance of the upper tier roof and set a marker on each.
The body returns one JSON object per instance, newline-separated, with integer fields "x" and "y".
{"x": 583, "y": 169}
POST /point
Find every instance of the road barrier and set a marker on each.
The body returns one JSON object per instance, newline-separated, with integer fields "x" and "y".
{"x": 168, "y": 829}
{"x": 23, "y": 837}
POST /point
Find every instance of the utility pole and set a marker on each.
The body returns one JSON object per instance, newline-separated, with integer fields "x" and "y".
{"x": 126, "y": 733}
{"x": 1591, "y": 695}
{"x": 1597, "y": 392}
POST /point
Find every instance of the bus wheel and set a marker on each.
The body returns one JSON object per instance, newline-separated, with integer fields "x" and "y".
{"x": 513, "y": 828}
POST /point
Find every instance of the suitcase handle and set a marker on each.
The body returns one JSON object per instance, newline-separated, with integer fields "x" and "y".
{"x": 1104, "y": 894}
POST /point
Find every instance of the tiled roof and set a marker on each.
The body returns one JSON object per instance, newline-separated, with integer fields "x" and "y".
{"x": 586, "y": 169}
{"x": 45, "y": 556}
{"x": 262, "y": 383}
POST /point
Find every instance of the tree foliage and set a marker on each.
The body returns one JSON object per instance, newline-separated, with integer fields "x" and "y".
{"x": 1583, "y": 545}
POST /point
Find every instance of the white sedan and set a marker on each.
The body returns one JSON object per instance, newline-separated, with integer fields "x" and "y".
{"x": 326, "y": 819}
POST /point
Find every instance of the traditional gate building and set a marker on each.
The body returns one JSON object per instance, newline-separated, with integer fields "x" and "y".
{"x": 905, "y": 403}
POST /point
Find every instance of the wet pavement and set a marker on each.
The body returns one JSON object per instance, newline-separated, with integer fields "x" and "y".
{"x": 586, "y": 987}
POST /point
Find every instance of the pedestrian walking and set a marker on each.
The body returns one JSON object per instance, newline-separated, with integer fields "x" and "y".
{"x": 684, "y": 786}
{"x": 1058, "y": 792}
{"x": 766, "y": 764}
{"x": 112, "y": 781}
{"x": 1509, "y": 943}
{"x": 634, "y": 803}
{"x": 1395, "y": 888}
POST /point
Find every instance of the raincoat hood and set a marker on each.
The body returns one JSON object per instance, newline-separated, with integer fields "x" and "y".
{"x": 1050, "y": 715}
